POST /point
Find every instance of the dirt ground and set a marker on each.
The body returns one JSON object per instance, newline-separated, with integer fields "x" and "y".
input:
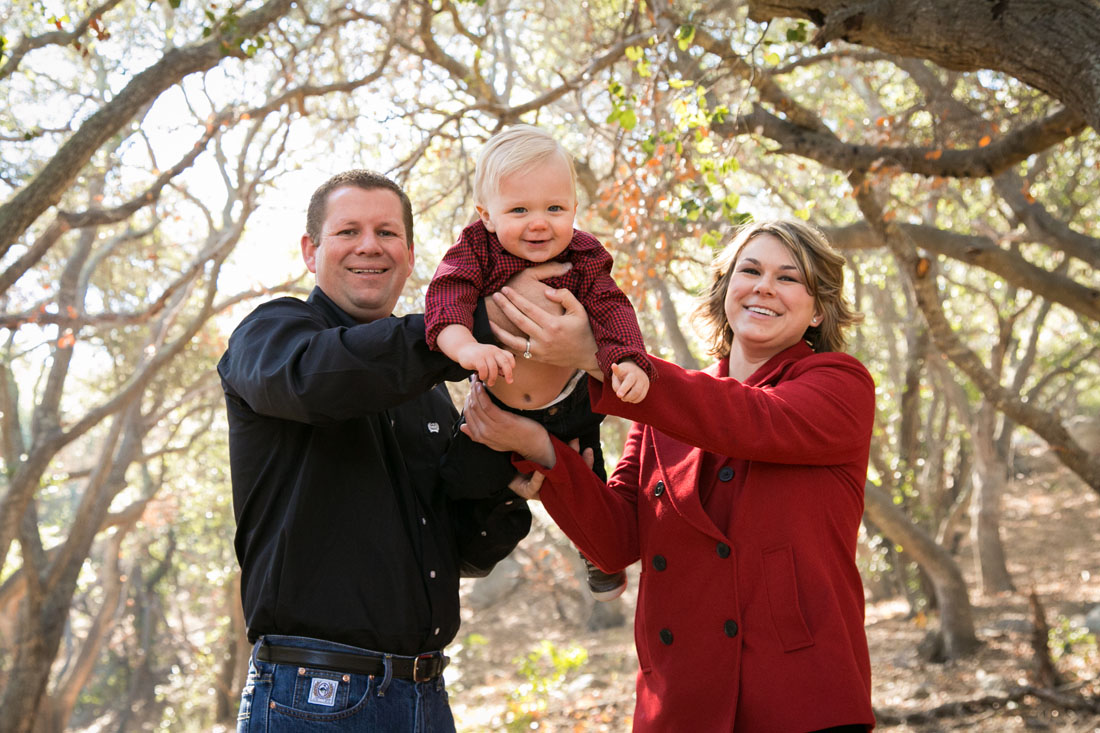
{"x": 505, "y": 677}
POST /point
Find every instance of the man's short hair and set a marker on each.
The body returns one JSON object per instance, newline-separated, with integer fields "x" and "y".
{"x": 515, "y": 149}
{"x": 359, "y": 178}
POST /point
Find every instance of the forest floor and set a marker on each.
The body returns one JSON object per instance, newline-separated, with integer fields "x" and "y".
{"x": 528, "y": 662}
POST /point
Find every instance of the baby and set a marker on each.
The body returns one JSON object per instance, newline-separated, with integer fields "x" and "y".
{"x": 525, "y": 195}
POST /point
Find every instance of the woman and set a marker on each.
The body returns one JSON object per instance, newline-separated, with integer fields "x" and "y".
{"x": 740, "y": 489}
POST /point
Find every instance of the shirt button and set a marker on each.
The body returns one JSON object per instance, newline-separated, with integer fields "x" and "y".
{"x": 723, "y": 550}
{"x": 730, "y": 628}
{"x": 666, "y": 636}
{"x": 659, "y": 562}
{"x": 725, "y": 474}
{"x": 659, "y": 488}
{"x": 431, "y": 574}
{"x": 437, "y": 631}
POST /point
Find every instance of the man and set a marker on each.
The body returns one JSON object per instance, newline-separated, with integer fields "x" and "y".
{"x": 350, "y": 551}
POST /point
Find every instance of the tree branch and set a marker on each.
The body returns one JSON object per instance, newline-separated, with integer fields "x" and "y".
{"x": 981, "y": 252}
{"x": 58, "y": 174}
{"x": 980, "y": 162}
{"x": 1050, "y": 45}
{"x": 1046, "y": 424}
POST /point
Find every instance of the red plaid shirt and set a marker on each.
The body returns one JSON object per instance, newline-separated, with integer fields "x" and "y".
{"x": 478, "y": 265}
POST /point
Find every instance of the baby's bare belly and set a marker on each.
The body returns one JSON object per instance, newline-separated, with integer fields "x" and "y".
{"x": 533, "y": 384}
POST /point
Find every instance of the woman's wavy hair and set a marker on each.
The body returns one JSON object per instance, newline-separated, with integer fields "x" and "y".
{"x": 822, "y": 269}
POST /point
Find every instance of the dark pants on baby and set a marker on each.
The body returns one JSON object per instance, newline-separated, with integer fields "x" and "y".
{"x": 472, "y": 470}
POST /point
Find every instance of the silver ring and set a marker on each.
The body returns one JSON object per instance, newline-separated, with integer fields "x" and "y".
{"x": 527, "y": 350}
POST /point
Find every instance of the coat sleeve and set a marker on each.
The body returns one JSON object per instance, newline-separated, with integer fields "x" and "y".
{"x": 600, "y": 518}
{"x": 820, "y": 412}
{"x": 284, "y": 360}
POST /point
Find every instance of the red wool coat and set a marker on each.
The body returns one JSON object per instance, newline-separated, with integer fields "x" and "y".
{"x": 754, "y": 623}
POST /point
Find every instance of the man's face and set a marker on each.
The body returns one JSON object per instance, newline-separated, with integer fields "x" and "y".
{"x": 364, "y": 256}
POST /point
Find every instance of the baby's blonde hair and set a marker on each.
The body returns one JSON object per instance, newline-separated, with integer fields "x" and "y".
{"x": 514, "y": 149}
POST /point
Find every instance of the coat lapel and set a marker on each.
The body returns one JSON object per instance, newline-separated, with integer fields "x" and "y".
{"x": 679, "y": 465}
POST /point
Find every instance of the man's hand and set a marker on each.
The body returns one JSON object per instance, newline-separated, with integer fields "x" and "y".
{"x": 529, "y": 487}
{"x": 505, "y": 431}
{"x": 630, "y": 382}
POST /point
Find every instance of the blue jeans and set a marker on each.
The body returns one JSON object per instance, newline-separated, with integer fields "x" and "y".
{"x": 284, "y": 698}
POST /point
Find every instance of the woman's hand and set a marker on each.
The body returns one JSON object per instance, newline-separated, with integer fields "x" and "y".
{"x": 563, "y": 340}
{"x": 505, "y": 431}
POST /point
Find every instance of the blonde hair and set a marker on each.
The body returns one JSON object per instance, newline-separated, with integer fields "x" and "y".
{"x": 514, "y": 149}
{"x": 821, "y": 267}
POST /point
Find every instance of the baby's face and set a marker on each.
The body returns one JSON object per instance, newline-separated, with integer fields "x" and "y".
{"x": 532, "y": 213}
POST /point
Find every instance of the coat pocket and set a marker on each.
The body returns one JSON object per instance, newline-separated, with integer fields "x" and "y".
{"x": 782, "y": 586}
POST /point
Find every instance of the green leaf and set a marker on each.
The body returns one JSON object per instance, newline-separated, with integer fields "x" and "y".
{"x": 628, "y": 120}
{"x": 685, "y": 34}
{"x": 772, "y": 59}
{"x": 634, "y": 53}
{"x": 797, "y": 35}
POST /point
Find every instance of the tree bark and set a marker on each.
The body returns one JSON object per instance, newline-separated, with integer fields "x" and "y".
{"x": 956, "y": 615}
{"x": 990, "y": 477}
{"x": 1049, "y": 44}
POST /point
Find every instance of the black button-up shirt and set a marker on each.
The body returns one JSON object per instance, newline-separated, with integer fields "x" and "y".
{"x": 336, "y": 431}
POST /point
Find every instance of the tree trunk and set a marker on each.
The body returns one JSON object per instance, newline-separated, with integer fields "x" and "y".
{"x": 956, "y": 634}
{"x": 673, "y": 333}
{"x": 57, "y": 708}
{"x": 234, "y": 664}
{"x": 990, "y": 477}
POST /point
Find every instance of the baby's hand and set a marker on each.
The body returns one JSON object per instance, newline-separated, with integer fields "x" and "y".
{"x": 629, "y": 381}
{"x": 488, "y": 361}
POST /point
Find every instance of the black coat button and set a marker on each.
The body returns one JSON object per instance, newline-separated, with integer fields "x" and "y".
{"x": 723, "y": 550}
{"x": 730, "y": 628}
{"x": 725, "y": 474}
{"x": 666, "y": 636}
{"x": 659, "y": 562}
{"x": 659, "y": 488}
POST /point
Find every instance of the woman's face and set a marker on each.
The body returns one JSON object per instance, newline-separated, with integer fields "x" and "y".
{"x": 767, "y": 304}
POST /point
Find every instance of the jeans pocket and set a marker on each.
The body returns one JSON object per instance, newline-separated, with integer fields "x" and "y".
{"x": 308, "y": 694}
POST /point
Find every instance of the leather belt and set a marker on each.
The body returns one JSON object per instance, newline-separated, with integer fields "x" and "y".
{"x": 421, "y": 668}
